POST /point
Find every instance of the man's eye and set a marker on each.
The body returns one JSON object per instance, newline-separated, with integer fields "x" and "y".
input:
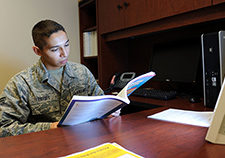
{"x": 66, "y": 45}
{"x": 54, "y": 50}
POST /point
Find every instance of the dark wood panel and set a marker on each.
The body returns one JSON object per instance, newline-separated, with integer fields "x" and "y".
{"x": 139, "y": 12}
{"x": 110, "y": 17}
{"x": 113, "y": 57}
{"x": 84, "y": 3}
{"x": 87, "y": 16}
{"x": 187, "y": 19}
{"x": 218, "y": 1}
{"x": 92, "y": 64}
{"x": 178, "y": 103}
{"x": 87, "y": 21}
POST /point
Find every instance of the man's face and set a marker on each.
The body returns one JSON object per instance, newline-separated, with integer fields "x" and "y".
{"x": 55, "y": 54}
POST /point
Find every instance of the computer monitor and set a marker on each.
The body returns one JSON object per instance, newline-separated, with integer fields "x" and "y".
{"x": 176, "y": 61}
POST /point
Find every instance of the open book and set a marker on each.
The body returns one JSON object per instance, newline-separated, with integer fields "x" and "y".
{"x": 87, "y": 108}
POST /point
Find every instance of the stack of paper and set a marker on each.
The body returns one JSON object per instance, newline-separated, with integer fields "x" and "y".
{"x": 185, "y": 116}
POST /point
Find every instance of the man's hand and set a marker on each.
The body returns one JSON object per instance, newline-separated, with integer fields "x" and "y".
{"x": 54, "y": 125}
{"x": 109, "y": 116}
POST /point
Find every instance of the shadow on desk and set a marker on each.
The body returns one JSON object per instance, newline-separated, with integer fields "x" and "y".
{"x": 135, "y": 106}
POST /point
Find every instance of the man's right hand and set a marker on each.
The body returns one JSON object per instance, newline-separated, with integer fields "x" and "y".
{"x": 54, "y": 125}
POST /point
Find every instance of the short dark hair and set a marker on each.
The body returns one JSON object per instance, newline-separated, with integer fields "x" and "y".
{"x": 44, "y": 29}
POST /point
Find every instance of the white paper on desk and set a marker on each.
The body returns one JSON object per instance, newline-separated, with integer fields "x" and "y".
{"x": 185, "y": 116}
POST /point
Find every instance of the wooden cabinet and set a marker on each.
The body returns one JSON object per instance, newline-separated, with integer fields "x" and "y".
{"x": 87, "y": 19}
{"x": 110, "y": 14}
{"x": 128, "y": 29}
{"x": 118, "y": 14}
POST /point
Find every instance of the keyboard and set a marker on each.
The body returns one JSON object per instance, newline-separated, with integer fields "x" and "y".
{"x": 155, "y": 94}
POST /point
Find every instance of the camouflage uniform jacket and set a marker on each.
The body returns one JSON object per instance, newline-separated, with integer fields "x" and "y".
{"x": 33, "y": 99}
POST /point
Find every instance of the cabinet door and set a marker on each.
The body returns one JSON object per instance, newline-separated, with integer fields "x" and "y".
{"x": 135, "y": 12}
{"x": 142, "y": 11}
{"x": 111, "y": 15}
{"x": 218, "y": 1}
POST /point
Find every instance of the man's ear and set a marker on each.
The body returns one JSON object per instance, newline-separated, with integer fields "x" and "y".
{"x": 37, "y": 50}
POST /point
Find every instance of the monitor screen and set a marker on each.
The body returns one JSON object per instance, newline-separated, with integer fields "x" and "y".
{"x": 176, "y": 61}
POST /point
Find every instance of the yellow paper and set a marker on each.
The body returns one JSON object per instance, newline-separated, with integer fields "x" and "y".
{"x": 107, "y": 150}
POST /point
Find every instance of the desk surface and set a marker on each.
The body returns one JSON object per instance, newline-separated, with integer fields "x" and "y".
{"x": 142, "y": 135}
{"x": 178, "y": 103}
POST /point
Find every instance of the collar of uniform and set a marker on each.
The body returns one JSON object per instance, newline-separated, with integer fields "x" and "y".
{"x": 69, "y": 70}
{"x": 42, "y": 71}
{"x": 44, "y": 74}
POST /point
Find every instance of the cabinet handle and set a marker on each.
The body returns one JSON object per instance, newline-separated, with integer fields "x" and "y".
{"x": 119, "y": 7}
{"x": 126, "y": 4}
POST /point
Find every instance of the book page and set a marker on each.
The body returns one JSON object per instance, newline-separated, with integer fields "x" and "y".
{"x": 185, "y": 116}
{"x": 135, "y": 84}
{"x": 84, "y": 109}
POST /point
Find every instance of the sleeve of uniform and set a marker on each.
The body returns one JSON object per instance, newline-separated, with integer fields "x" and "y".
{"x": 95, "y": 89}
{"x": 14, "y": 111}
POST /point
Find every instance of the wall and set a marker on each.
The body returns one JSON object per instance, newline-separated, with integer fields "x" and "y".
{"x": 17, "y": 19}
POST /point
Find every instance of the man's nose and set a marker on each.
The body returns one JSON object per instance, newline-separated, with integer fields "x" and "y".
{"x": 63, "y": 52}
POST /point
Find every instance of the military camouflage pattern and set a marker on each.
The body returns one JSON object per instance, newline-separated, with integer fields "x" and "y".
{"x": 33, "y": 99}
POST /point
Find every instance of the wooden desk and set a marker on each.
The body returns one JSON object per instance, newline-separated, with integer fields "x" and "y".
{"x": 144, "y": 136}
{"x": 178, "y": 103}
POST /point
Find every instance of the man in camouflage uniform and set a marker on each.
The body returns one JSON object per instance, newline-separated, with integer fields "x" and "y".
{"x": 36, "y": 98}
